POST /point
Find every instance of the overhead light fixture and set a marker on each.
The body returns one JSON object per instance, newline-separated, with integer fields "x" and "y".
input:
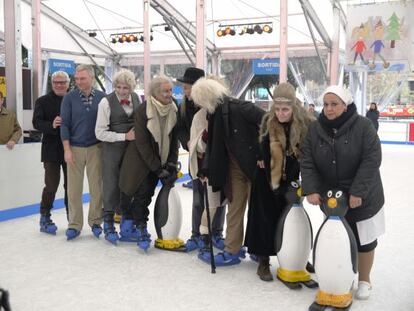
{"x": 258, "y": 29}
{"x": 128, "y": 37}
{"x": 241, "y": 29}
{"x": 267, "y": 28}
{"x": 167, "y": 28}
{"x": 92, "y": 34}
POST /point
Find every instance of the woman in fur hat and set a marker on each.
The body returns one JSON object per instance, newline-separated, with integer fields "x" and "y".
{"x": 282, "y": 132}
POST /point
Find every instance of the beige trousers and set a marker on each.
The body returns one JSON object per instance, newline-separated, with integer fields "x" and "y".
{"x": 240, "y": 189}
{"x": 91, "y": 158}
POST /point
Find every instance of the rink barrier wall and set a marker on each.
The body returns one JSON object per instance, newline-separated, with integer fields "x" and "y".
{"x": 21, "y": 172}
{"x": 33, "y": 209}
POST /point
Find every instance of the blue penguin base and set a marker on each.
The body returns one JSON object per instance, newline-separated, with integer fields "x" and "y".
{"x": 317, "y": 307}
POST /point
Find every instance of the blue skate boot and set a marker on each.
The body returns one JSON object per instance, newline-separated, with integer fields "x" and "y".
{"x": 223, "y": 258}
{"x": 47, "y": 225}
{"x": 96, "y": 230}
{"x": 144, "y": 238}
{"x": 218, "y": 241}
{"x": 254, "y": 258}
{"x": 128, "y": 231}
{"x": 72, "y": 233}
{"x": 195, "y": 242}
{"x": 110, "y": 233}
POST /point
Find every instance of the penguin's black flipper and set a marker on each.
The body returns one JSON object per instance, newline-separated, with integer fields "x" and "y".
{"x": 316, "y": 307}
{"x": 291, "y": 285}
{"x": 311, "y": 284}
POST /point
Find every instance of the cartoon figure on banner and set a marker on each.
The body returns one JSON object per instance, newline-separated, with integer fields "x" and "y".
{"x": 378, "y": 44}
{"x": 361, "y": 33}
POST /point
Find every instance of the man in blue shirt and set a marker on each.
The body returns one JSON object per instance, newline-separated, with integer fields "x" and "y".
{"x": 82, "y": 149}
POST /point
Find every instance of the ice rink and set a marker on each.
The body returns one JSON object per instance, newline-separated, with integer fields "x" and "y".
{"x": 44, "y": 272}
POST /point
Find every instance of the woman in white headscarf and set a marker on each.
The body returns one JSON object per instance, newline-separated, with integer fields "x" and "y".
{"x": 342, "y": 150}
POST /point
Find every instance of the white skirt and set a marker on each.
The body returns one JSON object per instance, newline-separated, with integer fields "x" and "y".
{"x": 370, "y": 229}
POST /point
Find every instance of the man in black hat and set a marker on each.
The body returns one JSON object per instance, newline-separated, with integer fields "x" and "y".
{"x": 186, "y": 112}
{"x": 187, "y": 109}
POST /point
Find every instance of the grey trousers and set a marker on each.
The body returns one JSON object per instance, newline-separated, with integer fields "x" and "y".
{"x": 112, "y": 155}
{"x": 198, "y": 209}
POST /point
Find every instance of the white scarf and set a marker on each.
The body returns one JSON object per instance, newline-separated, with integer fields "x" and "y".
{"x": 154, "y": 111}
{"x": 196, "y": 146}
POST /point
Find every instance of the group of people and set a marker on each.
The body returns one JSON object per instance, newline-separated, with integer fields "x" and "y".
{"x": 238, "y": 153}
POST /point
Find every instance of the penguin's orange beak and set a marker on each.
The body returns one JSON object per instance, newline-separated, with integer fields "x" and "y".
{"x": 332, "y": 203}
{"x": 299, "y": 192}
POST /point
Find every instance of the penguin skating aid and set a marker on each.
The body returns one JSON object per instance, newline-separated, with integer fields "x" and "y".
{"x": 293, "y": 241}
{"x": 168, "y": 219}
{"x": 335, "y": 255}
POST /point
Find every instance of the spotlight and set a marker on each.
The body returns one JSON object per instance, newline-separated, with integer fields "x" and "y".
{"x": 122, "y": 39}
{"x": 114, "y": 40}
{"x": 141, "y": 38}
{"x": 92, "y": 34}
{"x": 232, "y": 32}
{"x": 167, "y": 28}
{"x": 267, "y": 28}
{"x": 151, "y": 38}
{"x": 243, "y": 31}
{"x": 135, "y": 39}
{"x": 227, "y": 31}
{"x": 250, "y": 31}
{"x": 220, "y": 33}
{"x": 258, "y": 29}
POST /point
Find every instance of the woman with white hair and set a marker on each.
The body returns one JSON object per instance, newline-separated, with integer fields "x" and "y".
{"x": 230, "y": 159}
{"x": 115, "y": 128}
{"x": 342, "y": 150}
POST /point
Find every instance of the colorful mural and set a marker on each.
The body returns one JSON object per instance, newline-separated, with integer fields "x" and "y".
{"x": 380, "y": 37}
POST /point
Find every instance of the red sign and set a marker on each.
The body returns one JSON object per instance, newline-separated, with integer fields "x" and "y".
{"x": 411, "y": 136}
{"x": 393, "y": 111}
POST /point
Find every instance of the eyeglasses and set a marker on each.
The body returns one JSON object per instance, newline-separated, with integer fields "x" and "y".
{"x": 60, "y": 82}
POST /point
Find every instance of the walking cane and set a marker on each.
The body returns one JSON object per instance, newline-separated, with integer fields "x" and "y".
{"x": 206, "y": 205}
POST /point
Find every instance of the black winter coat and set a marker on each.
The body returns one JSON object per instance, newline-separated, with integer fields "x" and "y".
{"x": 265, "y": 205}
{"x": 233, "y": 127}
{"x": 373, "y": 115}
{"x": 47, "y": 108}
{"x": 186, "y": 112}
{"x": 350, "y": 161}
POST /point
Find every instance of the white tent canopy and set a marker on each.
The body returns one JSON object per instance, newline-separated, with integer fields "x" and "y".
{"x": 106, "y": 17}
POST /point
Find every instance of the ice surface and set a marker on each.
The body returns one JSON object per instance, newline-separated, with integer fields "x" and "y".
{"x": 45, "y": 272}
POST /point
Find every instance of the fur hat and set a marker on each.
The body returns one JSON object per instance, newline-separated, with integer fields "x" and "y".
{"x": 339, "y": 91}
{"x": 284, "y": 93}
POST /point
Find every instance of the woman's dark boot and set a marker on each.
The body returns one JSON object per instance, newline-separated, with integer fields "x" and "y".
{"x": 263, "y": 271}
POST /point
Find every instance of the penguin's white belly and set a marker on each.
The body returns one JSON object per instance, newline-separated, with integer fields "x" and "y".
{"x": 333, "y": 261}
{"x": 296, "y": 240}
{"x": 171, "y": 230}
